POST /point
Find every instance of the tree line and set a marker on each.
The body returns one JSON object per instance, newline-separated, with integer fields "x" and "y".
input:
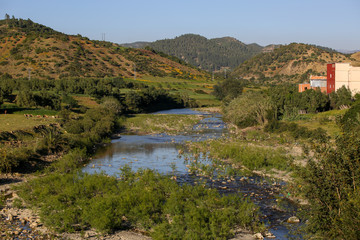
{"x": 53, "y": 95}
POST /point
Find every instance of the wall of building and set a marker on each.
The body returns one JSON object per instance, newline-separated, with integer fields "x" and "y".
{"x": 304, "y": 86}
{"x": 341, "y": 75}
{"x": 348, "y": 76}
{"x": 354, "y": 79}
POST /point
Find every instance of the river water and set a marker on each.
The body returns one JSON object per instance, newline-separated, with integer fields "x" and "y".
{"x": 162, "y": 153}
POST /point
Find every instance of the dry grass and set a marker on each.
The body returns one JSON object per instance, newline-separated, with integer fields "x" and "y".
{"x": 86, "y": 101}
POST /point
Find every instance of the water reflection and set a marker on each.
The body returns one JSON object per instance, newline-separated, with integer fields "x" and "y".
{"x": 158, "y": 152}
{"x": 161, "y": 153}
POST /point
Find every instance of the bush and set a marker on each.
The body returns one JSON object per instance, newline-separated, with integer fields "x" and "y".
{"x": 296, "y": 131}
{"x": 249, "y": 109}
{"x": 145, "y": 200}
{"x": 228, "y": 88}
{"x": 331, "y": 184}
{"x": 70, "y": 161}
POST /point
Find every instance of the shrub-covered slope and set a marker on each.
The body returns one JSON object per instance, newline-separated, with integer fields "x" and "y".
{"x": 26, "y": 47}
{"x": 290, "y": 62}
{"x": 209, "y": 54}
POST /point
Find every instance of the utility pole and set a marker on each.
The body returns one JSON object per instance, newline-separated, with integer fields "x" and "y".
{"x": 29, "y": 71}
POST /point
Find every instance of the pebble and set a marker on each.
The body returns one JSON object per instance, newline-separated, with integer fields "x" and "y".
{"x": 269, "y": 235}
{"x": 10, "y": 217}
{"x": 293, "y": 219}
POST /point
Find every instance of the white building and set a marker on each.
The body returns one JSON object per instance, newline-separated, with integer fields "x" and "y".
{"x": 346, "y": 75}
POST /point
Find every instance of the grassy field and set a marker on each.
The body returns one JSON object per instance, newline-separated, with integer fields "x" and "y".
{"x": 160, "y": 123}
{"x": 12, "y": 122}
{"x": 325, "y": 120}
{"x": 200, "y": 90}
{"x": 86, "y": 101}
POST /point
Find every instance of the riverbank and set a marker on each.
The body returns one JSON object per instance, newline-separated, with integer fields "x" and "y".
{"x": 90, "y": 234}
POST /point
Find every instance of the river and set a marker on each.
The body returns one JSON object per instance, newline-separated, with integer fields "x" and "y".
{"x": 162, "y": 153}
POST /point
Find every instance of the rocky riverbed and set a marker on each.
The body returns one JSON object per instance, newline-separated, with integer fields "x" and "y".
{"x": 19, "y": 222}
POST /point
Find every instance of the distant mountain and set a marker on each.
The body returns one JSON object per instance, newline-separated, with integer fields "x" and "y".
{"x": 136, "y": 44}
{"x": 347, "y": 51}
{"x": 26, "y": 47}
{"x": 270, "y": 48}
{"x": 291, "y": 63}
{"x": 208, "y": 54}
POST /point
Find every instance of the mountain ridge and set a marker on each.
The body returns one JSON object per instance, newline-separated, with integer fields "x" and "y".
{"x": 209, "y": 54}
{"x": 293, "y": 62}
{"x": 31, "y": 48}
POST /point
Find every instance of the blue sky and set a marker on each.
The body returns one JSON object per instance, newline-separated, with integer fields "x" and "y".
{"x": 329, "y": 23}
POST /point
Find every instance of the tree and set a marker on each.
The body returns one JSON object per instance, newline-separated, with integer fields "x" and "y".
{"x": 331, "y": 183}
{"x": 7, "y": 18}
{"x": 69, "y": 102}
{"x": 249, "y": 109}
{"x": 341, "y": 98}
{"x": 229, "y": 89}
{"x": 113, "y": 105}
{"x": 25, "y": 99}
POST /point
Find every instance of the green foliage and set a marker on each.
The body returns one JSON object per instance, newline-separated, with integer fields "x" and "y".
{"x": 159, "y": 123}
{"x": 13, "y": 158}
{"x": 287, "y": 101}
{"x": 152, "y": 99}
{"x": 43, "y": 99}
{"x": 113, "y": 105}
{"x": 341, "y": 98}
{"x": 331, "y": 184}
{"x": 145, "y": 200}
{"x": 296, "y": 131}
{"x": 208, "y": 54}
{"x": 69, "y": 162}
{"x": 51, "y": 140}
{"x": 252, "y": 157}
{"x": 69, "y": 102}
{"x": 351, "y": 119}
{"x": 228, "y": 89}
{"x": 248, "y": 110}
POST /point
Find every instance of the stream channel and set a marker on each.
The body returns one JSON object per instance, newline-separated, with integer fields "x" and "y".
{"x": 161, "y": 153}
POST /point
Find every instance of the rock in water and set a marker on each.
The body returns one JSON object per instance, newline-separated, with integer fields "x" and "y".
{"x": 10, "y": 217}
{"x": 269, "y": 235}
{"x": 258, "y": 236}
{"x": 293, "y": 219}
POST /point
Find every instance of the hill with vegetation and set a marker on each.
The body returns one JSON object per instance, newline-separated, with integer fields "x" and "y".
{"x": 27, "y": 46}
{"x": 293, "y": 62}
{"x": 356, "y": 57}
{"x": 208, "y": 54}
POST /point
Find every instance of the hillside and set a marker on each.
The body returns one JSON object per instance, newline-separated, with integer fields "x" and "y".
{"x": 356, "y": 59}
{"x": 27, "y": 46}
{"x": 293, "y": 62}
{"x": 208, "y": 54}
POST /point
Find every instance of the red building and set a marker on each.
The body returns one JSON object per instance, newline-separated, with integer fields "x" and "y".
{"x": 330, "y": 86}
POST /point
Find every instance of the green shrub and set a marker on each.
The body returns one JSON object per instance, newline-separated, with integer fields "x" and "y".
{"x": 331, "y": 184}
{"x": 70, "y": 161}
{"x": 252, "y": 157}
{"x": 145, "y": 200}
